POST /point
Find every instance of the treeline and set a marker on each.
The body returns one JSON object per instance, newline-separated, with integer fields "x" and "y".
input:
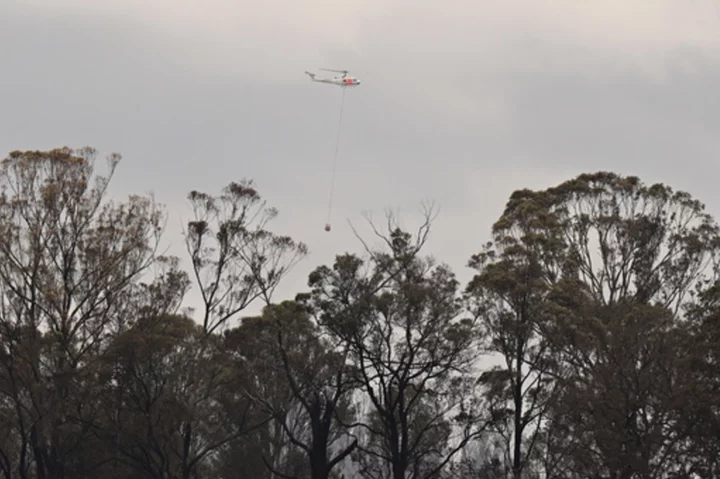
{"x": 586, "y": 345}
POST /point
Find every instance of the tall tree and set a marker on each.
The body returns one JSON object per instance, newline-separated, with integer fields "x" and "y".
{"x": 236, "y": 261}
{"x": 412, "y": 346}
{"x": 635, "y": 257}
{"x": 516, "y": 271}
{"x": 70, "y": 260}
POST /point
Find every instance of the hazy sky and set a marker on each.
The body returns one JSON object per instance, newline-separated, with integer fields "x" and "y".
{"x": 462, "y": 102}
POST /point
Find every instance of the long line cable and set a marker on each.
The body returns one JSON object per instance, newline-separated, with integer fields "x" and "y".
{"x": 337, "y": 147}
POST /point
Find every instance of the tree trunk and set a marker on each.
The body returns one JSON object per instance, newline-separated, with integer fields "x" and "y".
{"x": 318, "y": 454}
{"x": 518, "y": 400}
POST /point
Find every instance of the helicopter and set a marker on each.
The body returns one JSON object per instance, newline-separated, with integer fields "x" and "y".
{"x": 343, "y": 81}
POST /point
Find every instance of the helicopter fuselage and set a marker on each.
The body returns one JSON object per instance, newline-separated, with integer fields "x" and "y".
{"x": 344, "y": 81}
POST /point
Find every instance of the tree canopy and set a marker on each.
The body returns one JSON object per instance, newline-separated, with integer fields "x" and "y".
{"x": 586, "y": 345}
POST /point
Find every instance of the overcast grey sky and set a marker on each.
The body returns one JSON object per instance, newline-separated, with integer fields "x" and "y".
{"x": 462, "y": 102}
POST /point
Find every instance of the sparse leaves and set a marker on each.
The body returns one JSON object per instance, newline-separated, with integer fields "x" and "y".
{"x": 235, "y": 259}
